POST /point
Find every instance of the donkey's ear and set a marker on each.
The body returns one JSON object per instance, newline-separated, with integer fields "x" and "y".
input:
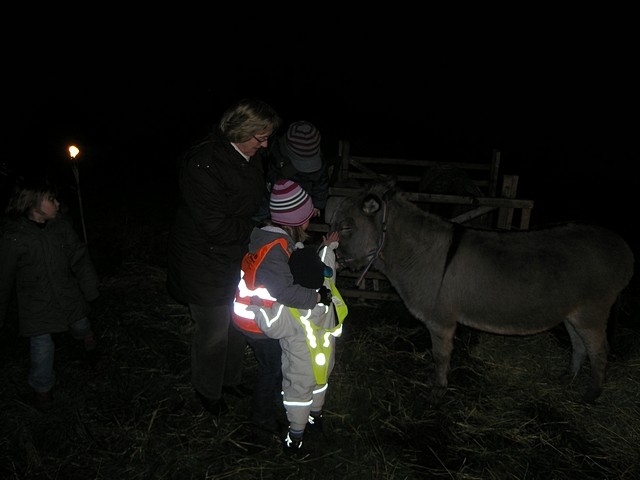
{"x": 387, "y": 185}
{"x": 371, "y": 204}
{"x": 389, "y": 182}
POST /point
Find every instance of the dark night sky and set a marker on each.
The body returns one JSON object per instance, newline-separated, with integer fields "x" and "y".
{"x": 557, "y": 96}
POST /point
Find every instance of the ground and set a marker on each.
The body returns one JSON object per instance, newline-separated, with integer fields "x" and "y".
{"x": 133, "y": 415}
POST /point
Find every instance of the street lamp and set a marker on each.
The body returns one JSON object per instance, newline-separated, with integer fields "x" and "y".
{"x": 73, "y": 152}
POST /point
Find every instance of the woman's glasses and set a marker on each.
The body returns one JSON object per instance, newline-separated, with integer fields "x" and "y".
{"x": 261, "y": 140}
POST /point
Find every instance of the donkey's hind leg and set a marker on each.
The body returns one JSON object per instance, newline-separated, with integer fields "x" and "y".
{"x": 578, "y": 351}
{"x": 441, "y": 349}
{"x": 591, "y": 342}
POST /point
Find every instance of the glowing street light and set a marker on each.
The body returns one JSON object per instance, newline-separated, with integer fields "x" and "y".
{"x": 73, "y": 153}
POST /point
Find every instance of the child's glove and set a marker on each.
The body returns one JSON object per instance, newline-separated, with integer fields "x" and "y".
{"x": 325, "y": 295}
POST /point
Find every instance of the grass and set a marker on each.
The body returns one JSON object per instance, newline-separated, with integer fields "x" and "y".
{"x": 505, "y": 415}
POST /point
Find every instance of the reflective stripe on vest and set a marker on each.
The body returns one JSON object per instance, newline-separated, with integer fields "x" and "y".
{"x": 317, "y": 338}
{"x": 243, "y": 318}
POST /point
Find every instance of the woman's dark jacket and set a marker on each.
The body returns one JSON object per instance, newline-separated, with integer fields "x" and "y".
{"x": 52, "y": 272}
{"x": 219, "y": 193}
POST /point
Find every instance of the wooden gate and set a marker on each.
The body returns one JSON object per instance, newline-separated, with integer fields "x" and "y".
{"x": 505, "y": 211}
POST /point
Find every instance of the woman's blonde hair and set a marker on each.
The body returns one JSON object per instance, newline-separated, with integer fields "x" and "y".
{"x": 248, "y": 117}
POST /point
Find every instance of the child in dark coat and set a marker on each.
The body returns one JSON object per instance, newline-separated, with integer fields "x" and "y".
{"x": 42, "y": 256}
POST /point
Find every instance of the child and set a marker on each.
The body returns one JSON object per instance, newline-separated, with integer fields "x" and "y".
{"x": 307, "y": 339}
{"x": 54, "y": 278}
{"x": 266, "y": 274}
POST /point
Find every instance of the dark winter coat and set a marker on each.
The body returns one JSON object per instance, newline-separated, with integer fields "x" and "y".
{"x": 52, "y": 272}
{"x": 219, "y": 193}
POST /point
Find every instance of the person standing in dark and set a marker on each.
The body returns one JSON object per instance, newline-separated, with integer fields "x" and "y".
{"x": 296, "y": 155}
{"x": 221, "y": 181}
{"x": 49, "y": 267}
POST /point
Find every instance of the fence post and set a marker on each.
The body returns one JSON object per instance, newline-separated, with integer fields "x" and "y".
{"x": 509, "y": 189}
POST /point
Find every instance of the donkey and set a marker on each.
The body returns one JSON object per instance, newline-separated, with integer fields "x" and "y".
{"x": 503, "y": 282}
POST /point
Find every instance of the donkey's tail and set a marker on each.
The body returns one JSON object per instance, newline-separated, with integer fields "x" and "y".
{"x": 612, "y": 327}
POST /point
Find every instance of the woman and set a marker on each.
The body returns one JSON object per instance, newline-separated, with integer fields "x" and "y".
{"x": 221, "y": 180}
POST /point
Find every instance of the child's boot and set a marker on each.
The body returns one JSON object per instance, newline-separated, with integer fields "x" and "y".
{"x": 91, "y": 352}
{"x": 315, "y": 423}
{"x": 89, "y": 342}
{"x": 293, "y": 445}
{"x": 43, "y": 401}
